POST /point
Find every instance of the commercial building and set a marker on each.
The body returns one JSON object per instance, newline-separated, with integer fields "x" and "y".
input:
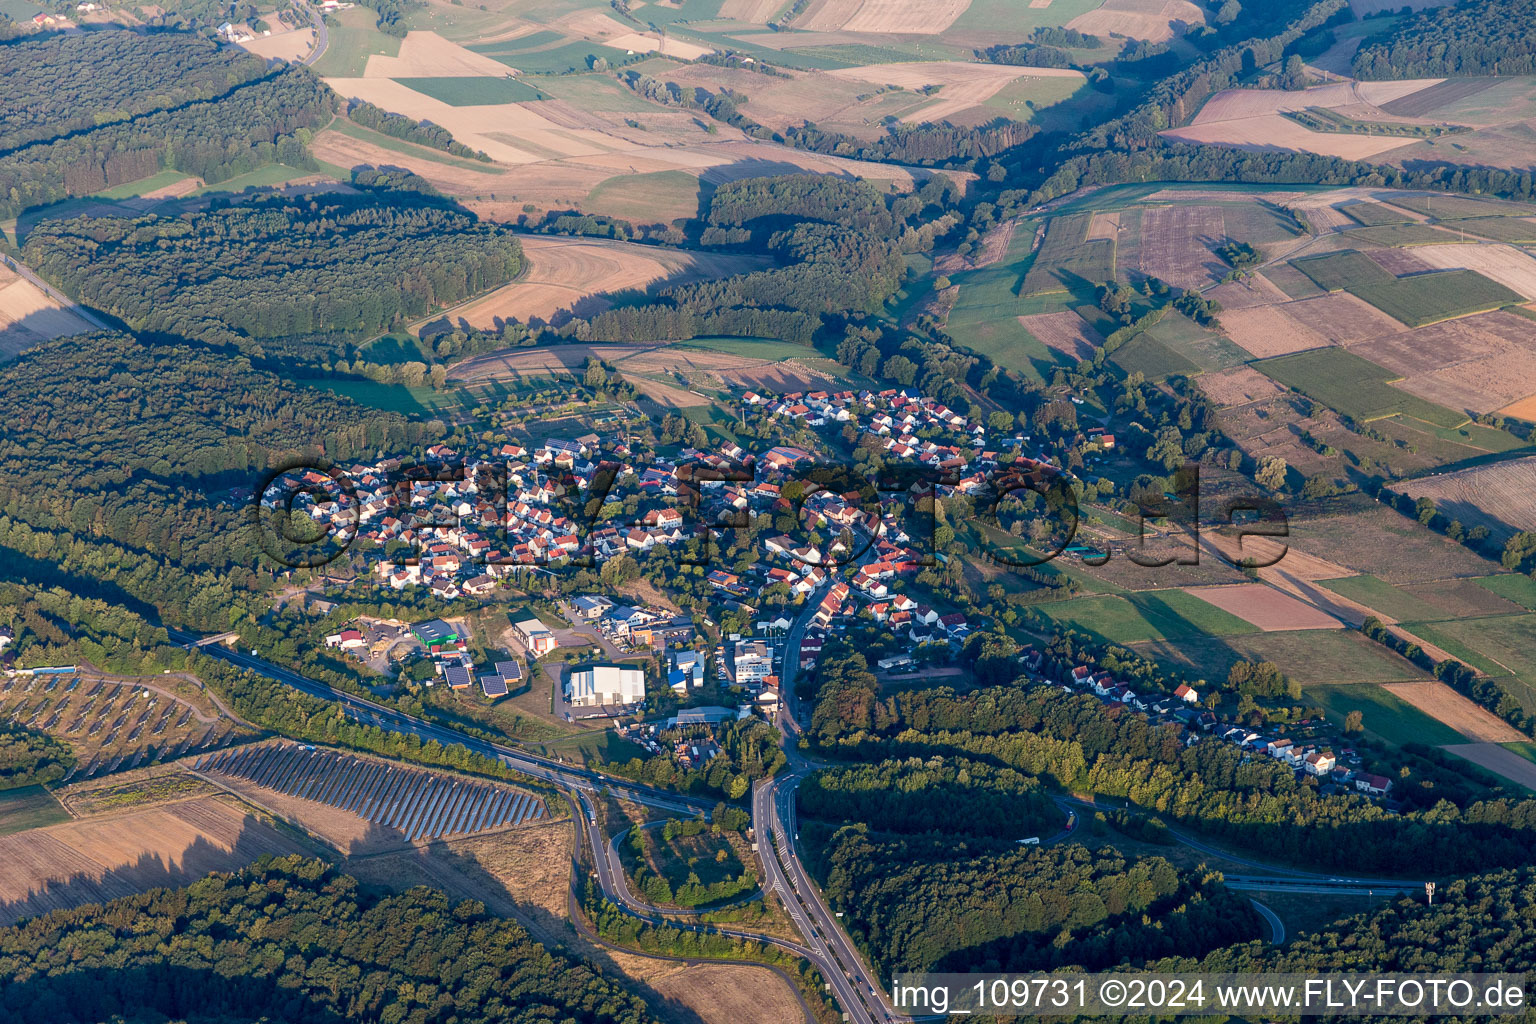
{"x": 535, "y": 636}
{"x": 605, "y": 684}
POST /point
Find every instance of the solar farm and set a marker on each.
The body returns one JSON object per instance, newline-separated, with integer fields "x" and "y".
{"x": 415, "y": 803}
{"x": 111, "y": 726}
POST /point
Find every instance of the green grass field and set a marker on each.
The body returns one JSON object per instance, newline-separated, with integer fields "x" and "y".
{"x": 1023, "y": 98}
{"x": 474, "y": 92}
{"x": 1374, "y": 215}
{"x": 28, "y": 807}
{"x": 1383, "y": 714}
{"x": 1514, "y": 587}
{"x": 1416, "y": 301}
{"x": 1187, "y": 339}
{"x": 554, "y": 61}
{"x": 353, "y": 36}
{"x": 1500, "y": 645}
{"x": 267, "y": 176}
{"x": 1149, "y": 357}
{"x": 137, "y": 188}
{"x": 1309, "y": 656}
{"x": 1352, "y": 385}
{"x": 1383, "y": 597}
{"x": 1524, "y": 748}
{"x": 1148, "y": 615}
{"x": 1067, "y": 261}
{"x": 650, "y": 197}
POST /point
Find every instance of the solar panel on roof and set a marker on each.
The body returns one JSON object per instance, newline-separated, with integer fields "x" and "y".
{"x": 493, "y": 686}
{"x": 511, "y": 671}
{"x": 457, "y": 675}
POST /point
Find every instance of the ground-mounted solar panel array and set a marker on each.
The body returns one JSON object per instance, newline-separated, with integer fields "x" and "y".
{"x": 416, "y": 803}
{"x": 110, "y": 725}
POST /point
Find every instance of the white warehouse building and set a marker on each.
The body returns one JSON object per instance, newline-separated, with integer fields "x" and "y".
{"x": 605, "y": 684}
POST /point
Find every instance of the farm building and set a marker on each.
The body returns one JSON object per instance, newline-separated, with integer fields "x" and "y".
{"x": 606, "y": 684}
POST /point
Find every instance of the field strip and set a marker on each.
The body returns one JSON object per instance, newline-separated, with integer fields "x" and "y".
{"x": 1498, "y": 760}
{"x": 1444, "y": 704}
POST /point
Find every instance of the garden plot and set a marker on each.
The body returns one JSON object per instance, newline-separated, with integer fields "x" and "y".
{"x": 1177, "y": 245}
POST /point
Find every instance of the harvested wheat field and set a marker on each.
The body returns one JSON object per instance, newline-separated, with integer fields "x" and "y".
{"x": 1514, "y": 268}
{"x": 1253, "y": 290}
{"x": 98, "y": 859}
{"x": 1444, "y": 704}
{"x": 963, "y": 85}
{"x": 1177, "y": 244}
{"x": 1481, "y": 362}
{"x": 294, "y": 44}
{"x": 925, "y": 17}
{"x": 1066, "y": 333}
{"x": 28, "y": 317}
{"x": 1497, "y": 759}
{"x": 1239, "y": 385}
{"x": 1497, "y": 495}
{"x": 511, "y": 133}
{"x": 1525, "y": 409}
{"x": 429, "y": 55}
{"x": 644, "y": 42}
{"x": 1266, "y": 331}
{"x": 1341, "y": 318}
{"x": 571, "y": 276}
{"x": 1153, "y": 20}
{"x": 1104, "y": 227}
{"x": 756, "y": 12}
{"x": 1276, "y": 131}
{"x": 1270, "y": 609}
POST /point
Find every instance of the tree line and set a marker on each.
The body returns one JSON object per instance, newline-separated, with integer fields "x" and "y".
{"x": 423, "y": 133}
{"x": 1475, "y": 37}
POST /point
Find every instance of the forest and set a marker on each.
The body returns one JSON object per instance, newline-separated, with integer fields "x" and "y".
{"x": 127, "y": 468}
{"x": 247, "y": 127}
{"x": 293, "y": 940}
{"x": 1078, "y": 743}
{"x": 1475, "y": 37}
{"x": 289, "y": 279}
{"x": 63, "y": 83}
{"x": 940, "y": 903}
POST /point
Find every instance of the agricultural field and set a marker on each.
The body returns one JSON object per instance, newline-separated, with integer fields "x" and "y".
{"x": 1310, "y": 657}
{"x": 1500, "y": 759}
{"x": 1478, "y": 364}
{"x": 1444, "y": 704}
{"x": 1513, "y": 268}
{"x": 961, "y": 87}
{"x": 474, "y": 92}
{"x": 1155, "y": 361}
{"x": 1068, "y": 261}
{"x": 1352, "y": 385}
{"x": 1066, "y": 333}
{"x": 1152, "y": 20}
{"x": 113, "y": 725}
{"x": 929, "y": 17}
{"x": 1149, "y": 615}
{"x": 1364, "y": 537}
{"x": 1383, "y": 713}
{"x": 101, "y": 858}
{"x": 1178, "y": 245}
{"x": 1496, "y": 495}
{"x": 574, "y": 276}
{"x": 1263, "y": 606}
{"x": 1416, "y": 301}
{"x": 29, "y": 807}
{"x": 28, "y": 317}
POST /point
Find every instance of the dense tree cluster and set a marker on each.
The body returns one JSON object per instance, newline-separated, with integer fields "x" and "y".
{"x": 117, "y": 468}
{"x": 294, "y": 942}
{"x": 1475, "y": 37}
{"x": 1082, "y": 744}
{"x": 398, "y": 126}
{"x": 53, "y": 626}
{"x": 934, "y": 903}
{"x": 59, "y": 84}
{"x": 750, "y": 749}
{"x": 29, "y": 758}
{"x": 253, "y": 124}
{"x": 950, "y": 796}
{"x": 297, "y": 279}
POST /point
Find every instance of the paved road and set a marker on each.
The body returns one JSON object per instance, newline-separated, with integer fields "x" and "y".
{"x": 322, "y": 35}
{"x": 1276, "y": 926}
